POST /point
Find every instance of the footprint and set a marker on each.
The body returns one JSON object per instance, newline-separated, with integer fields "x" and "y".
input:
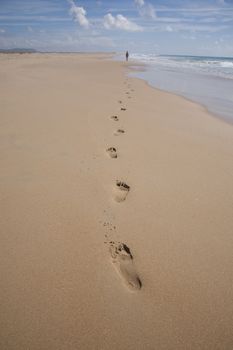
{"x": 119, "y": 101}
{"x": 127, "y": 93}
{"x": 123, "y": 262}
{"x": 121, "y": 191}
{"x": 112, "y": 152}
{"x": 123, "y": 109}
{"x": 114, "y": 117}
{"x": 119, "y": 132}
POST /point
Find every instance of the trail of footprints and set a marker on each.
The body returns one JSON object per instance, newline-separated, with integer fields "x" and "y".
{"x": 120, "y": 253}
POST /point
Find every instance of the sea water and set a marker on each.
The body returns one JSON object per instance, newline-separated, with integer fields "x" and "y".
{"x": 206, "y": 80}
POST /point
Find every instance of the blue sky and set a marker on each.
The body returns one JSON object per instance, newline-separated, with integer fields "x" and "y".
{"x": 202, "y": 27}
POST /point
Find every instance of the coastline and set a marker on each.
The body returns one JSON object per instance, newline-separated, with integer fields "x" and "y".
{"x": 208, "y": 106}
{"x": 205, "y": 108}
{"x": 63, "y": 214}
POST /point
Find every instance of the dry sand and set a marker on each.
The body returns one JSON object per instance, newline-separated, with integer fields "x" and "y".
{"x": 121, "y": 248}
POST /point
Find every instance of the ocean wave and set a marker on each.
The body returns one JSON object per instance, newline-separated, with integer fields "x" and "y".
{"x": 215, "y": 66}
{"x": 227, "y": 64}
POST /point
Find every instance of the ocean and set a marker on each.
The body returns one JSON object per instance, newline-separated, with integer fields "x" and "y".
{"x": 206, "y": 80}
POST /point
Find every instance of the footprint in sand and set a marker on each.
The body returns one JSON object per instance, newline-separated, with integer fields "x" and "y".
{"x": 114, "y": 117}
{"x": 123, "y": 109}
{"x": 123, "y": 262}
{"x": 112, "y": 152}
{"x": 121, "y": 191}
{"x": 120, "y": 101}
{"x": 119, "y": 132}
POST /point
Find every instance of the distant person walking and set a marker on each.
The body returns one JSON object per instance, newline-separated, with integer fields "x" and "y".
{"x": 127, "y": 55}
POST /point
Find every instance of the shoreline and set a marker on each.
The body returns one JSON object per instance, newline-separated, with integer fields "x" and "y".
{"x": 116, "y": 209}
{"x": 226, "y": 119}
{"x": 205, "y": 109}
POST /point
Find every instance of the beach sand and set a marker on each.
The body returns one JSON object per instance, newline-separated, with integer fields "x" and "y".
{"x": 116, "y": 202}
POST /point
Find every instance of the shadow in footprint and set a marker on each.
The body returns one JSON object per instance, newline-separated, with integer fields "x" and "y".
{"x": 114, "y": 117}
{"x": 112, "y": 152}
{"x": 123, "y": 109}
{"x": 119, "y": 132}
{"x": 123, "y": 262}
{"x": 121, "y": 191}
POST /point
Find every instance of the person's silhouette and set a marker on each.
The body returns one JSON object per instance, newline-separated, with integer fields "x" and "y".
{"x": 127, "y": 55}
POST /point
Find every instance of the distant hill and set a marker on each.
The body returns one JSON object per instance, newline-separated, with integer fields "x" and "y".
{"x": 17, "y": 50}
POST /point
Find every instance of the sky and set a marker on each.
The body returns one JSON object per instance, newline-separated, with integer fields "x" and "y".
{"x": 191, "y": 27}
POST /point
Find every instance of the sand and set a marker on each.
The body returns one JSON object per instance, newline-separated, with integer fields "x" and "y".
{"x": 115, "y": 233}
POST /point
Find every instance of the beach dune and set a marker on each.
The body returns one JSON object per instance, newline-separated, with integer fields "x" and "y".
{"x": 116, "y": 204}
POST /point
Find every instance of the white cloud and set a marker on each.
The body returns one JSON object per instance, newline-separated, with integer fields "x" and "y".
{"x": 145, "y": 10}
{"x": 148, "y": 10}
{"x": 139, "y": 2}
{"x": 120, "y": 22}
{"x": 79, "y": 14}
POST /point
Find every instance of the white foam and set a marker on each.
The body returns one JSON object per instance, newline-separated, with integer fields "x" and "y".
{"x": 218, "y": 67}
{"x": 227, "y": 64}
{"x": 206, "y": 80}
